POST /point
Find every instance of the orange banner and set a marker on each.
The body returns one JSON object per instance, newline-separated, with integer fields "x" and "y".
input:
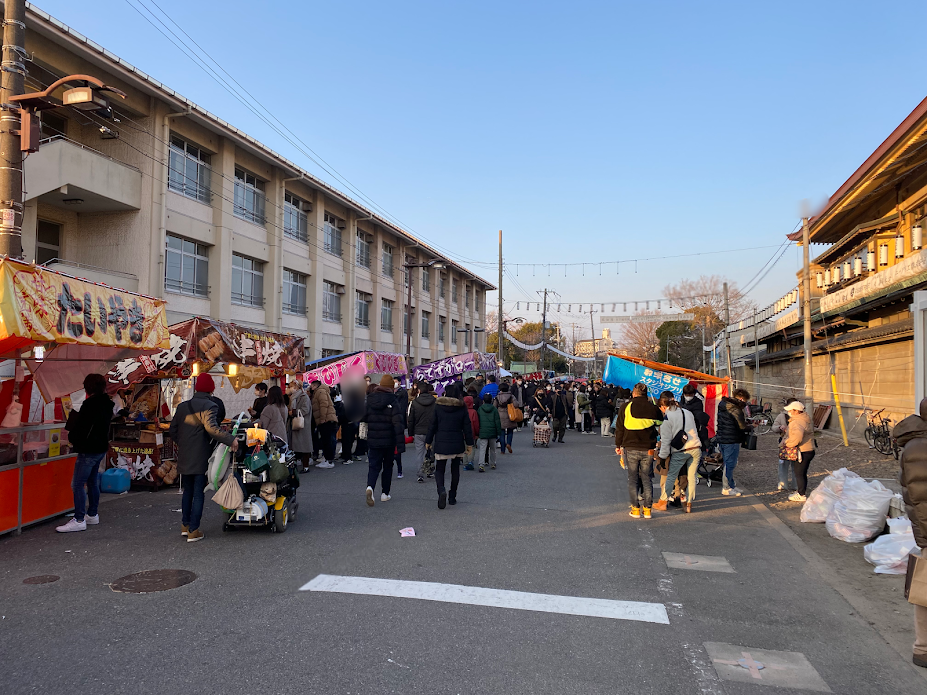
{"x": 48, "y": 307}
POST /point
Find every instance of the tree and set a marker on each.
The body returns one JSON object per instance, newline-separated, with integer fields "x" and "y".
{"x": 639, "y": 339}
{"x": 528, "y": 333}
{"x": 704, "y": 297}
{"x": 680, "y": 344}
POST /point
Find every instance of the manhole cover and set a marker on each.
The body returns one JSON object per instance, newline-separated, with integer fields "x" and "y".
{"x": 42, "y": 579}
{"x": 150, "y": 581}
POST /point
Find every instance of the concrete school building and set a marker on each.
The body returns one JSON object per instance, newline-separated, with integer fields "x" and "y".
{"x": 868, "y": 258}
{"x": 172, "y": 201}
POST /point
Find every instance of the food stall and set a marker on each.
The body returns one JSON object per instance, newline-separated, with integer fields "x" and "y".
{"x": 63, "y": 328}
{"x": 331, "y": 370}
{"x": 152, "y": 385}
{"x": 455, "y": 368}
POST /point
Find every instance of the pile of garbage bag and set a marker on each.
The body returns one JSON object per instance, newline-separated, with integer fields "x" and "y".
{"x": 889, "y": 553}
{"x": 821, "y": 502}
{"x": 860, "y": 511}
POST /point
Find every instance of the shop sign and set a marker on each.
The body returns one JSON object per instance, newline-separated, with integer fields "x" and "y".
{"x": 782, "y": 322}
{"x": 877, "y": 284}
{"x": 139, "y": 460}
{"x": 454, "y": 366}
{"x": 369, "y": 362}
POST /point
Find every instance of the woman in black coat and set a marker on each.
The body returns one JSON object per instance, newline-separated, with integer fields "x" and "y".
{"x": 451, "y": 436}
{"x": 385, "y": 436}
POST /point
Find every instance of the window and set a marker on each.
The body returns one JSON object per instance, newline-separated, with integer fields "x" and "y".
{"x": 386, "y": 315}
{"x": 426, "y": 280}
{"x": 426, "y": 324}
{"x": 330, "y": 352}
{"x": 467, "y": 297}
{"x": 442, "y": 325}
{"x": 466, "y": 335}
{"x": 47, "y": 242}
{"x": 189, "y": 170}
{"x": 453, "y": 331}
{"x": 247, "y": 281}
{"x": 249, "y": 197}
{"x": 388, "y": 260}
{"x": 333, "y": 227}
{"x": 442, "y": 281}
{"x": 363, "y": 249}
{"x": 476, "y": 301}
{"x": 331, "y": 301}
{"x": 53, "y": 125}
{"x": 295, "y": 221}
{"x": 454, "y": 285}
{"x": 186, "y": 267}
{"x": 294, "y": 292}
{"x": 362, "y": 315}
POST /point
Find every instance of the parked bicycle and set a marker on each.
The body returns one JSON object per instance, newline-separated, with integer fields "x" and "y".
{"x": 761, "y": 420}
{"x": 879, "y": 436}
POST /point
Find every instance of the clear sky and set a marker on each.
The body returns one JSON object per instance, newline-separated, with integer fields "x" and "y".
{"x": 587, "y": 131}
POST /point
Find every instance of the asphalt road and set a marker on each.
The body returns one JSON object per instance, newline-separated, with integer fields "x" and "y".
{"x": 546, "y": 521}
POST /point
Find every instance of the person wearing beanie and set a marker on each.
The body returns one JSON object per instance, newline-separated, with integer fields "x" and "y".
{"x": 387, "y": 382}
{"x": 206, "y": 384}
{"x": 195, "y": 429}
{"x": 385, "y": 437}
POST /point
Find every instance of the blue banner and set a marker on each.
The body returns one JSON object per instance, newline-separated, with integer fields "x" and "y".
{"x": 619, "y": 372}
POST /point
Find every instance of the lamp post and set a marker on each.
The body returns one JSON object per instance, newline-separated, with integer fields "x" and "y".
{"x": 437, "y": 265}
{"x": 470, "y": 330}
{"x": 505, "y": 329}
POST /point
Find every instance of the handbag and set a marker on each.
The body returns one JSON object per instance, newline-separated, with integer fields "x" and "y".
{"x": 257, "y": 462}
{"x": 298, "y": 422}
{"x": 229, "y": 495}
{"x": 788, "y": 453}
{"x": 749, "y": 442}
{"x": 362, "y": 430}
{"x": 278, "y": 471}
{"x": 681, "y": 437}
{"x": 515, "y": 414}
{"x": 915, "y": 581}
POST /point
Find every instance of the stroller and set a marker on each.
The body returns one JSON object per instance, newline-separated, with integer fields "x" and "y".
{"x": 542, "y": 433}
{"x": 711, "y": 466}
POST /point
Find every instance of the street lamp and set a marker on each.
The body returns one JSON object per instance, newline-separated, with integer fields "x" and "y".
{"x": 437, "y": 265}
{"x": 470, "y": 330}
{"x": 505, "y": 329}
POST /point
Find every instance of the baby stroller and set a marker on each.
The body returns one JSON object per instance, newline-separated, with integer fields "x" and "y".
{"x": 710, "y": 466}
{"x": 542, "y": 432}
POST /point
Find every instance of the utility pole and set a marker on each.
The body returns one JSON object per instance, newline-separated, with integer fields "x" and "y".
{"x": 727, "y": 339}
{"x": 12, "y": 83}
{"x": 500, "y": 358}
{"x": 756, "y": 364}
{"x": 544, "y": 334}
{"x": 806, "y": 303}
{"x": 704, "y": 367}
{"x": 595, "y": 362}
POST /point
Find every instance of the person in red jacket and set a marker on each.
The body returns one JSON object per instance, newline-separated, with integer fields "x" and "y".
{"x": 475, "y": 423}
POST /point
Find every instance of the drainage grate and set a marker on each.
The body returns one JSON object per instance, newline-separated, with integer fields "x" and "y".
{"x": 150, "y": 581}
{"x": 42, "y": 579}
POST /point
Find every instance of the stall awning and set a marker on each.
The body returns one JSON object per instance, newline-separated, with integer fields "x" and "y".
{"x": 455, "y": 366}
{"x": 333, "y": 369}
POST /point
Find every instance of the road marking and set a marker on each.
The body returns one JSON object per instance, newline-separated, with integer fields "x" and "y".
{"x": 765, "y": 667}
{"x": 705, "y": 563}
{"x": 496, "y": 598}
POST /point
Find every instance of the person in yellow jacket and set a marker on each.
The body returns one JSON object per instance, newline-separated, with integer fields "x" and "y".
{"x": 636, "y": 429}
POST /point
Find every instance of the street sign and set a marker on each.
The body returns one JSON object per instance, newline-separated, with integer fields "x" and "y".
{"x": 647, "y": 318}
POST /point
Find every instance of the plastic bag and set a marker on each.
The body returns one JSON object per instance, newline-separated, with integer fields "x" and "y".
{"x": 229, "y": 496}
{"x": 821, "y": 501}
{"x": 889, "y": 553}
{"x": 218, "y": 467}
{"x": 256, "y": 435}
{"x": 860, "y": 512}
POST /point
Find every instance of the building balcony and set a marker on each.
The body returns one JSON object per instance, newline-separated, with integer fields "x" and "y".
{"x": 71, "y": 176}
{"x": 113, "y": 278}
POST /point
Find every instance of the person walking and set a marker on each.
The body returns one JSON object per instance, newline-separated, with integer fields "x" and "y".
{"x": 194, "y": 429}
{"x": 800, "y": 435}
{"x": 781, "y": 427}
{"x": 585, "y": 410}
{"x": 491, "y": 387}
{"x": 385, "y": 436}
{"x": 273, "y": 414}
{"x": 403, "y": 400}
{"x": 88, "y": 433}
{"x": 421, "y": 414}
{"x": 326, "y": 420}
{"x": 731, "y": 429}
{"x": 603, "y": 409}
{"x": 300, "y": 439}
{"x": 911, "y": 434}
{"x": 560, "y": 409}
{"x": 503, "y": 400}
{"x": 570, "y": 391}
{"x": 541, "y": 404}
{"x": 490, "y": 431}
{"x": 635, "y": 441}
{"x": 470, "y": 458}
{"x": 680, "y": 443}
{"x": 451, "y": 436}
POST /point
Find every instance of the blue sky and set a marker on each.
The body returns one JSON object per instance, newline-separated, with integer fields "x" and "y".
{"x": 586, "y": 131}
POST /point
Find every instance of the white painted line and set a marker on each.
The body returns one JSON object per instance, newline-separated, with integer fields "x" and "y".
{"x": 496, "y": 598}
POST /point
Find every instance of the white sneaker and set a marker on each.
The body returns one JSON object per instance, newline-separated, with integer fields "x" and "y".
{"x": 346, "y": 462}
{"x": 72, "y": 525}
{"x": 369, "y": 496}
{"x": 399, "y": 476}
{"x": 781, "y": 486}
{"x": 732, "y": 491}
{"x": 325, "y": 464}
{"x": 385, "y": 498}
{"x": 92, "y": 520}
{"x": 795, "y": 497}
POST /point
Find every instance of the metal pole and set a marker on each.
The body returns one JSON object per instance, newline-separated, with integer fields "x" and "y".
{"x": 409, "y": 316}
{"x": 704, "y": 366}
{"x": 11, "y": 156}
{"x": 595, "y": 362}
{"x": 500, "y": 358}
{"x": 806, "y": 291}
{"x": 727, "y": 339}
{"x": 544, "y": 334}
{"x": 756, "y": 367}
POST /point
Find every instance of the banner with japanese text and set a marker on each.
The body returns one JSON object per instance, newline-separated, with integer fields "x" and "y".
{"x": 369, "y": 362}
{"x": 625, "y": 374}
{"x": 40, "y": 305}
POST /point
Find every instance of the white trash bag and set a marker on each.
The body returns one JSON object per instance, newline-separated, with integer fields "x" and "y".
{"x": 889, "y": 553}
{"x": 820, "y": 502}
{"x": 860, "y": 512}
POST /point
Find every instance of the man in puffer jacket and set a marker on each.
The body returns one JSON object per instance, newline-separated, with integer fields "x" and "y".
{"x": 635, "y": 440}
{"x": 731, "y": 429}
{"x": 911, "y": 434}
{"x": 421, "y": 414}
{"x": 326, "y": 421}
{"x": 385, "y": 435}
{"x": 451, "y": 435}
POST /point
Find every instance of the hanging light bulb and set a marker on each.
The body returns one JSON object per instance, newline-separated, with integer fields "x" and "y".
{"x": 517, "y": 306}
{"x": 917, "y": 237}
{"x": 624, "y": 308}
{"x": 899, "y": 245}
{"x": 820, "y": 279}
{"x": 870, "y": 261}
{"x": 558, "y": 307}
{"x": 569, "y": 308}
{"x": 858, "y": 266}
{"x": 613, "y": 308}
{"x": 883, "y": 254}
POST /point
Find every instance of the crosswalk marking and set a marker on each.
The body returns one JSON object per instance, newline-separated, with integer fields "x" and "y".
{"x": 496, "y": 598}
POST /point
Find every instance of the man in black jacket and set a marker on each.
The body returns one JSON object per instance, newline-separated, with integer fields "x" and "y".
{"x": 385, "y": 435}
{"x": 451, "y": 435}
{"x": 730, "y": 430}
{"x": 421, "y": 414}
{"x": 560, "y": 409}
{"x": 603, "y": 405}
{"x": 88, "y": 433}
{"x": 194, "y": 428}
{"x": 635, "y": 440}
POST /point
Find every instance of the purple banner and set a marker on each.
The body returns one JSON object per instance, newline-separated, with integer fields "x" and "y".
{"x": 443, "y": 370}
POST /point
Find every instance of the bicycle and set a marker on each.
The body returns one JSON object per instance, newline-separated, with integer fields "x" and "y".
{"x": 878, "y": 427}
{"x": 762, "y": 421}
{"x": 887, "y": 445}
